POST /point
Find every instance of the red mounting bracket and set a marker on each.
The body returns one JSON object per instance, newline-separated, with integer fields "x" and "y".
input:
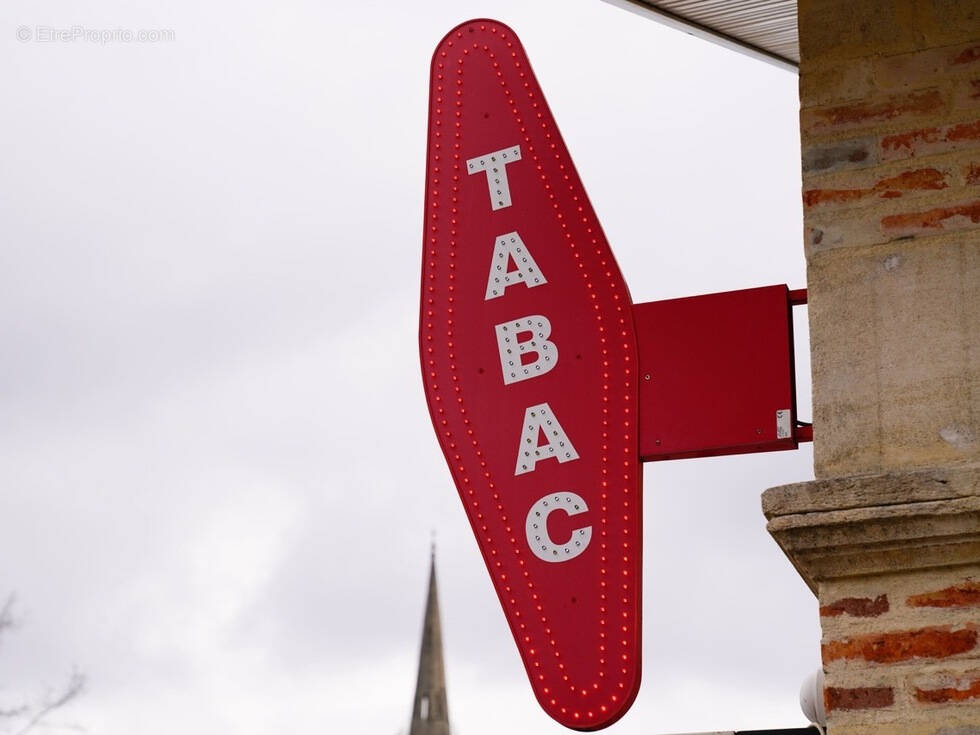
{"x": 718, "y": 375}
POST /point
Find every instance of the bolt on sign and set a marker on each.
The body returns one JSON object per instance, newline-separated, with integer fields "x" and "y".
{"x": 532, "y": 371}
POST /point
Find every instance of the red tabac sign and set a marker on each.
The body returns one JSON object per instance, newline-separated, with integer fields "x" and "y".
{"x": 529, "y": 360}
{"x": 548, "y": 387}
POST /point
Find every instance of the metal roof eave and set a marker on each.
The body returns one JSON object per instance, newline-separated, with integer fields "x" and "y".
{"x": 709, "y": 34}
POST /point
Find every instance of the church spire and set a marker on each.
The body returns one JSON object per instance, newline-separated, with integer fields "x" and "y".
{"x": 430, "y": 712}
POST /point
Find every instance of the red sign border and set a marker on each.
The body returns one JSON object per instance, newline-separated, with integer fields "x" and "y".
{"x": 493, "y": 32}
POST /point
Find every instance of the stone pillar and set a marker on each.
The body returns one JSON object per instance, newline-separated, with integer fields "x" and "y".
{"x": 895, "y": 562}
{"x": 888, "y": 536}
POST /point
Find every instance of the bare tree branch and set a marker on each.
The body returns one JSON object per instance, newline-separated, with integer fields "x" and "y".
{"x": 52, "y": 701}
{"x": 7, "y": 619}
{"x": 27, "y": 716}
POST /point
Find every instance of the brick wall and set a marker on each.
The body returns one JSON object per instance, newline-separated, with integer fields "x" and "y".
{"x": 902, "y": 653}
{"x": 890, "y": 132}
{"x": 890, "y": 127}
{"x": 895, "y": 562}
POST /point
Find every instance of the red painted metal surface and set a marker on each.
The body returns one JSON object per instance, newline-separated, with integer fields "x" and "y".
{"x": 717, "y": 374}
{"x": 569, "y": 580}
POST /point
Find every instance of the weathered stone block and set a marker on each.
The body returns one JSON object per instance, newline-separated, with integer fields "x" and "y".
{"x": 849, "y": 80}
{"x": 948, "y": 21}
{"x": 834, "y": 30}
{"x": 896, "y": 375}
{"x": 925, "y": 68}
{"x": 966, "y": 94}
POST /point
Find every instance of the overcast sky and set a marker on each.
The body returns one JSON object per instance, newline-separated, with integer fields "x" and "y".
{"x": 218, "y": 476}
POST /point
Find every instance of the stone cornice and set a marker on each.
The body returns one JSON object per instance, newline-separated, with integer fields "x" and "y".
{"x": 877, "y": 524}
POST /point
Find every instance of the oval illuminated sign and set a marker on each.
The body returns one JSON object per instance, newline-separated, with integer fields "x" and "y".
{"x": 529, "y": 361}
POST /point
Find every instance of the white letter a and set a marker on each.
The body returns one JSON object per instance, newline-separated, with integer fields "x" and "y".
{"x": 537, "y": 419}
{"x": 505, "y": 248}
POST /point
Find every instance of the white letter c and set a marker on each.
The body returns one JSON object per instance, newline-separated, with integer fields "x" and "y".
{"x": 537, "y": 528}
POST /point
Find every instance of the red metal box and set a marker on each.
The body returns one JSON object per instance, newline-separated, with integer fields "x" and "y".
{"x": 716, "y": 374}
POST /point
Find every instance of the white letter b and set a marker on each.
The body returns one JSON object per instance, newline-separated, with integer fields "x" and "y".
{"x": 538, "y": 344}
